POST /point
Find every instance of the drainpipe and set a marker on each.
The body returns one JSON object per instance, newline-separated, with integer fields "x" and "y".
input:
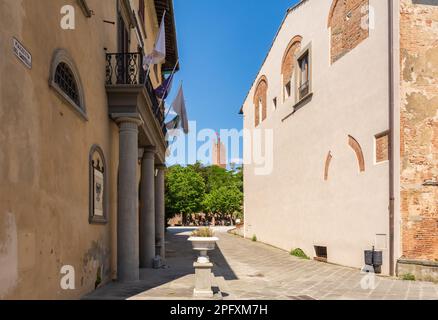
{"x": 391, "y": 136}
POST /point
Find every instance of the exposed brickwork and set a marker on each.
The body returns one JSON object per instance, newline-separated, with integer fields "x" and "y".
{"x": 288, "y": 64}
{"x": 419, "y": 129}
{"x": 358, "y": 150}
{"x": 347, "y": 20}
{"x": 382, "y": 147}
{"x": 328, "y": 160}
{"x": 261, "y": 93}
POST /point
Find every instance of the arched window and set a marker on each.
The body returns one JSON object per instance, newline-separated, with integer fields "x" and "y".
{"x": 349, "y": 25}
{"x": 64, "y": 79}
{"x": 98, "y": 186}
{"x": 260, "y": 100}
{"x": 288, "y": 66}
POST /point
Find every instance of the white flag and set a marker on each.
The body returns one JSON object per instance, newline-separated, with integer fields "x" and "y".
{"x": 158, "y": 55}
{"x": 179, "y": 106}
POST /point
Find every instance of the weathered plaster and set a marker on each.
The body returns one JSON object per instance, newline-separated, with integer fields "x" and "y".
{"x": 8, "y": 254}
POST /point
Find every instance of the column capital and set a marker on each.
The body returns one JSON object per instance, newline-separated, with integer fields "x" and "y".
{"x": 121, "y": 118}
{"x": 149, "y": 152}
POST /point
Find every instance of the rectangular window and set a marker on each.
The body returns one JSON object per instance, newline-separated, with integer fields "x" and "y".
{"x": 274, "y": 103}
{"x": 304, "y": 78}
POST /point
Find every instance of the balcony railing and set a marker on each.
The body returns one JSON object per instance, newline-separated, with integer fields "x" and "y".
{"x": 127, "y": 69}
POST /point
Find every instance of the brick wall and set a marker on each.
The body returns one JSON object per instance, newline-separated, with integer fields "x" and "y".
{"x": 261, "y": 93}
{"x": 348, "y": 28}
{"x": 288, "y": 65}
{"x": 419, "y": 129}
{"x": 382, "y": 146}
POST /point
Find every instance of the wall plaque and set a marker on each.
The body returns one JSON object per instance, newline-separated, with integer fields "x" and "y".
{"x": 21, "y": 53}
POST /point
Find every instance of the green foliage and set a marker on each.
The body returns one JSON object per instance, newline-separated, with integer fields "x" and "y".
{"x": 254, "y": 238}
{"x": 197, "y": 188}
{"x": 185, "y": 189}
{"x": 299, "y": 253}
{"x": 224, "y": 200}
{"x": 203, "y": 233}
{"x": 408, "y": 277}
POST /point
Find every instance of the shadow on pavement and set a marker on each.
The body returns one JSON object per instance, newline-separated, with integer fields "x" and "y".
{"x": 179, "y": 264}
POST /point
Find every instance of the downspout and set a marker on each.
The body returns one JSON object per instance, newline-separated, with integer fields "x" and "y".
{"x": 392, "y": 157}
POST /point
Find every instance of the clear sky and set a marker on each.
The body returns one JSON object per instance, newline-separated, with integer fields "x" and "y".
{"x": 222, "y": 44}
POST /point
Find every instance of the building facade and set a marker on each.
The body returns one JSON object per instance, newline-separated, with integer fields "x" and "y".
{"x": 82, "y": 145}
{"x": 348, "y": 90}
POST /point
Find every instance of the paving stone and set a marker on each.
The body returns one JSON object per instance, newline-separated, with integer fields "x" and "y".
{"x": 251, "y": 270}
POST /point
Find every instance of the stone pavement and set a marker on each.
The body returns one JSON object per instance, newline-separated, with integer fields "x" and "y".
{"x": 248, "y": 270}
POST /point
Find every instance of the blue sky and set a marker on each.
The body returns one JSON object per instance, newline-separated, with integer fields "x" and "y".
{"x": 222, "y": 44}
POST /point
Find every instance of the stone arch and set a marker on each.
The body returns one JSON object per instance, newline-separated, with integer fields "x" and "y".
{"x": 261, "y": 100}
{"x": 288, "y": 61}
{"x": 352, "y": 142}
{"x": 346, "y": 21}
{"x": 328, "y": 160}
{"x": 65, "y": 80}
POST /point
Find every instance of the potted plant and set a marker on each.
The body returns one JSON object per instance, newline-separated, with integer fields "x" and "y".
{"x": 203, "y": 240}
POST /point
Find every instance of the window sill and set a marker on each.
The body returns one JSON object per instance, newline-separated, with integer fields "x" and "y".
{"x": 66, "y": 99}
{"x": 297, "y": 106}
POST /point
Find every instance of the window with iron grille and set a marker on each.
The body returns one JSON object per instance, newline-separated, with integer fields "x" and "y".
{"x": 65, "y": 80}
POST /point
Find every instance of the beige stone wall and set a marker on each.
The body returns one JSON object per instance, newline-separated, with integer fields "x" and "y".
{"x": 294, "y": 206}
{"x": 419, "y": 129}
{"x": 44, "y": 149}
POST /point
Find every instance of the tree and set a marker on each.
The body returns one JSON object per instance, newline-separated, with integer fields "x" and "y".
{"x": 185, "y": 189}
{"x": 225, "y": 200}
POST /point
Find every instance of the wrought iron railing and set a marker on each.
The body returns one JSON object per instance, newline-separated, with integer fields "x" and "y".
{"x": 127, "y": 69}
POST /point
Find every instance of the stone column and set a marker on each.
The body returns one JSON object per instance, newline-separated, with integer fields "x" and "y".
{"x": 147, "y": 211}
{"x": 127, "y": 199}
{"x": 160, "y": 222}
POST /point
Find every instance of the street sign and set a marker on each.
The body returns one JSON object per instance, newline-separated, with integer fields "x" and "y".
{"x": 22, "y": 54}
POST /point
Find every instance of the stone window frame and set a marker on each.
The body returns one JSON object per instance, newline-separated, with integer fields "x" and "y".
{"x": 306, "y": 50}
{"x": 62, "y": 56}
{"x": 93, "y": 219}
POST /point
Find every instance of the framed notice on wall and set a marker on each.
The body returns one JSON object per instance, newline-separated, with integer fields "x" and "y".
{"x": 98, "y": 192}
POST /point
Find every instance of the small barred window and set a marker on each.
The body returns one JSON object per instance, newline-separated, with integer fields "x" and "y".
{"x": 65, "y": 80}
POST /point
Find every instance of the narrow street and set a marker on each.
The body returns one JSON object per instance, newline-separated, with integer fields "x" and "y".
{"x": 248, "y": 270}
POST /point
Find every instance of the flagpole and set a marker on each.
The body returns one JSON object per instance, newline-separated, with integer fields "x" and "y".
{"x": 167, "y": 87}
{"x": 155, "y": 43}
{"x": 168, "y": 111}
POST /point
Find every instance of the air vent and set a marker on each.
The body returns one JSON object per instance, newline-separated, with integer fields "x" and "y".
{"x": 321, "y": 253}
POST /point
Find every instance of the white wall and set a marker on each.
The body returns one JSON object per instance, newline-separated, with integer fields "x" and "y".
{"x": 294, "y": 206}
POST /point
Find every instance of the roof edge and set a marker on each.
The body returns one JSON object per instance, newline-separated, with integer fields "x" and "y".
{"x": 288, "y": 11}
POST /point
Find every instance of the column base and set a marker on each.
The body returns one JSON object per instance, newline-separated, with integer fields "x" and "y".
{"x": 203, "y": 280}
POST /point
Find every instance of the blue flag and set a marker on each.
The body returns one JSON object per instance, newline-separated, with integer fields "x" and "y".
{"x": 163, "y": 90}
